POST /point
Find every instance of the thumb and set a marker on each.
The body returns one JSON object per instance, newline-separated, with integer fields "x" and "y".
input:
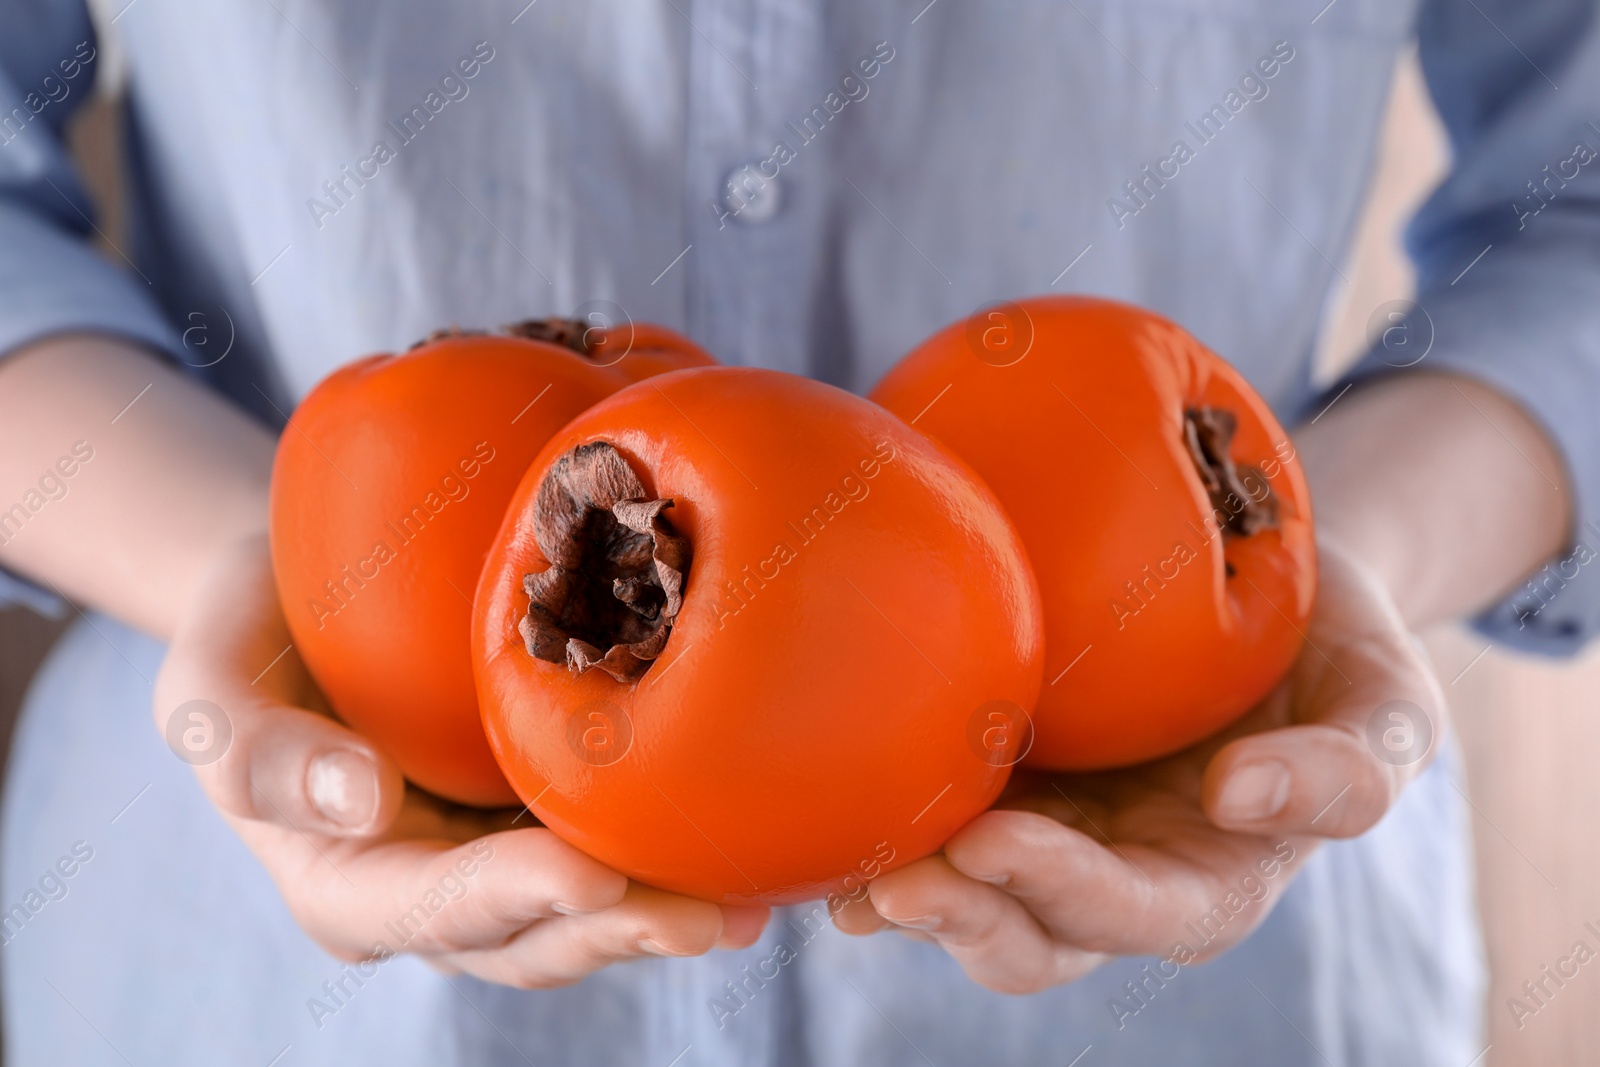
{"x": 1367, "y": 716}
{"x": 231, "y": 699}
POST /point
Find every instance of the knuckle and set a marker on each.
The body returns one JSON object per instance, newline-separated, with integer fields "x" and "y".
{"x": 447, "y": 941}
{"x": 973, "y": 931}
{"x": 1103, "y": 943}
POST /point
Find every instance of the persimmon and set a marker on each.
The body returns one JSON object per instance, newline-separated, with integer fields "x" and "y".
{"x": 631, "y": 350}
{"x": 388, "y": 485}
{"x": 735, "y": 633}
{"x": 1166, "y": 518}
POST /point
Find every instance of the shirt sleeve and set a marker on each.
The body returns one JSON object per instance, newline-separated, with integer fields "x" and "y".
{"x": 1507, "y": 251}
{"x": 51, "y": 280}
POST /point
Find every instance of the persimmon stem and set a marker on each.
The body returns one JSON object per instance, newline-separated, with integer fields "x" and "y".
{"x": 447, "y": 332}
{"x": 1241, "y": 511}
{"x": 617, "y": 567}
{"x": 567, "y": 333}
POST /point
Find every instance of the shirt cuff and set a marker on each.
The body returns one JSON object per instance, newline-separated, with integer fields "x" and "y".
{"x": 1523, "y": 320}
{"x": 51, "y": 282}
{"x": 15, "y": 591}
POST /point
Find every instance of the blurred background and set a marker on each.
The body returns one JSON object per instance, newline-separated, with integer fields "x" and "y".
{"x": 1529, "y": 727}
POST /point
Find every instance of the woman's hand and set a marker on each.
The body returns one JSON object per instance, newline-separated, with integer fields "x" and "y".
{"x": 1072, "y": 869}
{"x": 369, "y": 866}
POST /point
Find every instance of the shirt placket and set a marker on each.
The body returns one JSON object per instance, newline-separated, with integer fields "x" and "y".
{"x": 754, "y": 220}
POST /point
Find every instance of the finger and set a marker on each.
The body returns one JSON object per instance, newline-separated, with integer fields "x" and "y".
{"x": 1299, "y": 780}
{"x": 229, "y": 671}
{"x": 742, "y": 924}
{"x": 859, "y": 918}
{"x": 1338, "y": 772}
{"x": 1080, "y": 890}
{"x": 561, "y": 951}
{"x": 426, "y": 897}
{"x": 1124, "y": 899}
{"x": 298, "y": 769}
{"x": 986, "y": 930}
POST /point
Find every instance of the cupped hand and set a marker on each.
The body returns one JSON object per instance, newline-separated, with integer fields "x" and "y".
{"x": 369, "y": 866}
{"x": 1072, "y": 869}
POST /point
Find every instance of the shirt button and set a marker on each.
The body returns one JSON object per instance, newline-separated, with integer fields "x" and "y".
{"x": 750, "y": 196}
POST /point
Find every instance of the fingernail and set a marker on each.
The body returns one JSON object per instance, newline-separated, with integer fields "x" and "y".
{"x": 1255, "y": 791}
{"x": 926, "y": 922}
{"x": 343, "y": 785}
{"x": 567, "y": 909}
{"x": 647, "y": 945}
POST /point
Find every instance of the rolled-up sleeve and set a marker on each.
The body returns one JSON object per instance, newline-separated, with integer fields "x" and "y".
{"x": 1507, "y": 252}
{"x": 51, "y": 280}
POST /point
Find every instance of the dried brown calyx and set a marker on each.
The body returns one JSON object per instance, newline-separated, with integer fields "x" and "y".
{"x": 1241, "y": 498}
{"x": 449, "y": 331}
{"x": 617, "y": 567}
{"x": 568, "y": 333}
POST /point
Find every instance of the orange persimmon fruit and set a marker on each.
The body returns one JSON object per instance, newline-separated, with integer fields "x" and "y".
{"x": 390, "y": 481}
{"x": 735, "y": 633}
{"x": 1166, "y": 518}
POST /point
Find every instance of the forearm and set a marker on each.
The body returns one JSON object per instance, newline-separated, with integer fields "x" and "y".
{"x": 173, "y": 475}
{"x": 1450, "y": 492}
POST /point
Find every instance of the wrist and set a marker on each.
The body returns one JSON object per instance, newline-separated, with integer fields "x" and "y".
{"x": 169, "y": 473}
{"x": 1448, "y": 491}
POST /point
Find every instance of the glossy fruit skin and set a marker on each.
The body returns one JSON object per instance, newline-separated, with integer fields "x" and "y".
{"x": 812, "y": 725}
{"x": 642, "y": 350}
{"x": 447, "y": 428}
{"x": 1072, "y": 409}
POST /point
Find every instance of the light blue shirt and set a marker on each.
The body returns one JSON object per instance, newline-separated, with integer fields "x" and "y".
{"x": 812, "y": 188}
